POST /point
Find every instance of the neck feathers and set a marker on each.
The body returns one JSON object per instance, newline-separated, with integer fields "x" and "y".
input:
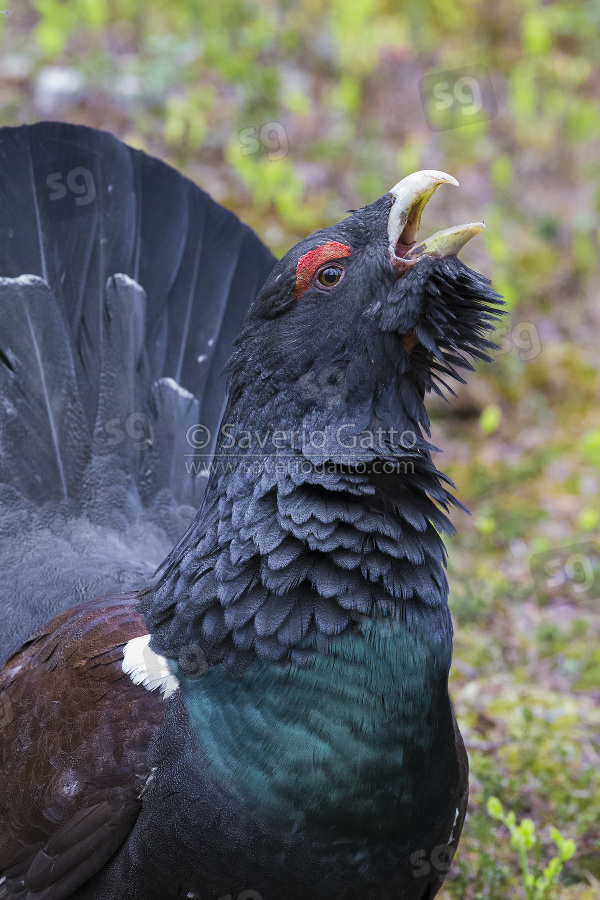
{"x": 293, "y": 544}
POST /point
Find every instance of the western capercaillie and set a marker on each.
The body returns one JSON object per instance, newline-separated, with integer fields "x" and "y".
{"x": 268, "y": 716}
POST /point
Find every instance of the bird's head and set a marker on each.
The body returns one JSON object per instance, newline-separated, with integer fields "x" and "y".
{"x": 341, "y": 513}
{"x": 358, "y": 321}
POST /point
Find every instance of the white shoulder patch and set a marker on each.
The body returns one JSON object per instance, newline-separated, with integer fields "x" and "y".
{"x": 147, "y": 668}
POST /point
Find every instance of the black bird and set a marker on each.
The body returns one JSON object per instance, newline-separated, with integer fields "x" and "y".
{"x": 267, "y": 718}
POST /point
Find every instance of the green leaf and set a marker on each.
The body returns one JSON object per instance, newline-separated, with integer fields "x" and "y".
{"x": 490, "y": 418}
{"x": 494, "y": 808}
{"x": 535, "y": 35}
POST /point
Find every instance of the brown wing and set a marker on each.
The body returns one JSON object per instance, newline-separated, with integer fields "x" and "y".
{"x": 74, "y": 732}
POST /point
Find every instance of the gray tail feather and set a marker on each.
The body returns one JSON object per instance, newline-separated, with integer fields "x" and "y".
{"x": 122, "y": 285}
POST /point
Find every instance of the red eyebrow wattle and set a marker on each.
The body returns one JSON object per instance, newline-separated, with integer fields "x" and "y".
{"x": 310, "y": 262}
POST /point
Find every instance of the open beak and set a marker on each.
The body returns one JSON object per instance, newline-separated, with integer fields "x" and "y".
{"x": 410, "y": 196}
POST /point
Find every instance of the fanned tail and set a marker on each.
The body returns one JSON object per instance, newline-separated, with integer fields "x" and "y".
{"x": 122, "y": 285}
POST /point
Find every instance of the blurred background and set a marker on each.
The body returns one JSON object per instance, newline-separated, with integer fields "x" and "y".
{"x": 290, "y": 114}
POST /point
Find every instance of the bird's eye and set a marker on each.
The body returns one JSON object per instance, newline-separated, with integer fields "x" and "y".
{"x": 329, "y": 276}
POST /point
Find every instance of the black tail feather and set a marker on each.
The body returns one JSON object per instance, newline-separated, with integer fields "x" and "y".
{"x": 122, "y": 285}
{"x": 44, "y": 435}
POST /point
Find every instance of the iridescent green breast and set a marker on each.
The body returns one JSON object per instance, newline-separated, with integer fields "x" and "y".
{"x": 346, "y": 738}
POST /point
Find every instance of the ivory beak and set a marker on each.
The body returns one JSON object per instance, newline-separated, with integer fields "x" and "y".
{"x": 447, "y": 242}
{"x": 410, "y": 196}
